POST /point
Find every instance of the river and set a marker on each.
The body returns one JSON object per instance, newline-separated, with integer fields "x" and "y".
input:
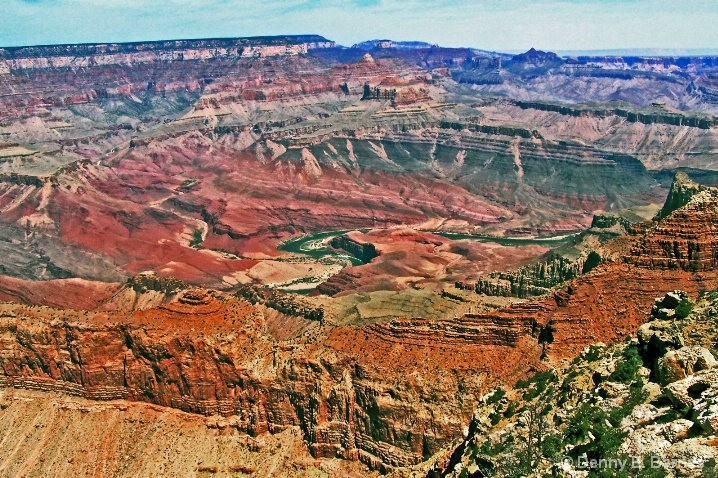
{"x": 315, "y": 244}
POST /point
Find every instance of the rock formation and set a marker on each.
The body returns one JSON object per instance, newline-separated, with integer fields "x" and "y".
{"x": 365, "y": 252}
{"x": 686, "y": 238}
{"x": 74, "y": 56}
{"x": 357, "y": 392}
{"x": 638, "y": 408}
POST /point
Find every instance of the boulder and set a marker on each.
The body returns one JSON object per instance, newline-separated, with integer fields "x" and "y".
{"x": 672, "y": 299}
{"x": 664, "y": 308}
{"x": 678, "y": 364}
{"x": 706, "y": 415}
{"x": 697, "y": 394}
{"x": 690, "y": 457}
{"x": 652, "y": 391}
{"x": 658, "y": 337}
{"x": 641, "y": 415}
{"x": 677, "y": 430}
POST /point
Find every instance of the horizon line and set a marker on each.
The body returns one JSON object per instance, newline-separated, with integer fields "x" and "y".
{"x": 658, "y": 52}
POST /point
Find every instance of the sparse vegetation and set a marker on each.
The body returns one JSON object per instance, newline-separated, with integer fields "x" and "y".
{"x": 627, "y": 367}
{"x": 496, "y": 397}
{"x": 593, "y": 354}
{"x": 592, "y": 261}
{"x": 684, "y": 309}
{"x": 510, "y": 410}
{"x": 196, "y": 238}
{"x": 636, "y": 396}
{"x": 592, "y": 434}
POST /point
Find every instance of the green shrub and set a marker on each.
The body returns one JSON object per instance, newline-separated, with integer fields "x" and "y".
{"x": 543, "y": 378}
{"x": 492, "y": 449}
{"x": 627, "y": 367}
{"x": 552, "y": 446}
{"x": 593, "y": 354}
{"x": 684, "y": 309}
{"x": 496, "y": 397}
{"x": 510, "y": 410}
{"x": 540, "y": 381}
{"x": 530, "y": 394}
{"x": 649, "y": 472}
{"x": 591, "y": 419}
{"x": 196, "y": 238}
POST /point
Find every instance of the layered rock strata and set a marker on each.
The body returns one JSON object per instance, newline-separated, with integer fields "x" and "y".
{"x": 95, "y": 55}
{"x": 386, "y": 393}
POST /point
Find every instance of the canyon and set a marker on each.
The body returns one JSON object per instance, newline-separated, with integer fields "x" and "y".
{"x": 232, "y": 238}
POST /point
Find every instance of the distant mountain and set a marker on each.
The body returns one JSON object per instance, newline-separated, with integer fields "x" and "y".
{"x": 399, "y": 45}
{"x": 649, "y": 52}
{"x": 536, "y": 57}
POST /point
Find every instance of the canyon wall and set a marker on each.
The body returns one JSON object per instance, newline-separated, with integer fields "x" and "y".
{"x": 387, "y": 393}
{"x": 97, "y": 55}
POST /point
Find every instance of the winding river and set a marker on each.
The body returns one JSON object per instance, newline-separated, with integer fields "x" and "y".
{"x": 315, "y": 245}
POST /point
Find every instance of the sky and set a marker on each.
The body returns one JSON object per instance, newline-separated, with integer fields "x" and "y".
{"x": 499, "y": 25}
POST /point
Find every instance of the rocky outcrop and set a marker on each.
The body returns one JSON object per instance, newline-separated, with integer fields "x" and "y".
{"x": 686, "y": 238}
{"x": 668, "y": 118}
{"x": 62, "y": 293}
{"x": 490, "y": 129}
{"x": 681, "y": 192}
{"x": 378, "y": 93}
{"x": 121, "y": 438}
{"x": 285, "y": 303}
{"x": 363, "y": 251}
{"x": 679, "y": 364}
{"x": 609, "y": 221}
{"x": 504, "y": 330}
{"x": 580, "y": 255}
{"x": 530, "y": 281}
{"x": 605, "y": 406}
{"x": 150, "y": 281}
{"x": 537, "y": 57}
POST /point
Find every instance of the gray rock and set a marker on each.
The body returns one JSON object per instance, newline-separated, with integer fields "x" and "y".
{"x": 658, "y": 337}
{"x": 652, "y": 391}
{"x": 690, "y": 457}
{"x": 669, "y": 301}
{"x": 694, "y": 393}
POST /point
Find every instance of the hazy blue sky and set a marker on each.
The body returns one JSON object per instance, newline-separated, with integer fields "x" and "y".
{"x": 487, "y": 24}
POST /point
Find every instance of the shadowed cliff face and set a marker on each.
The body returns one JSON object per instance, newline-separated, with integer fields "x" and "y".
{"x": 681, "y": 192}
